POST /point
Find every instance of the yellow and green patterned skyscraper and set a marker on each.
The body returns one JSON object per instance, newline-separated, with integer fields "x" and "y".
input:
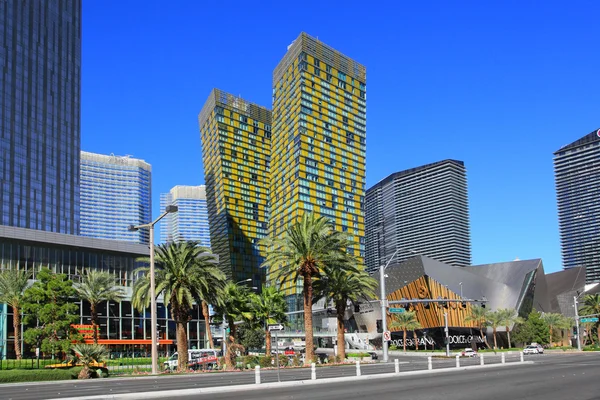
{"x": 236, "y": 140}
{"x": 319, "y": 141}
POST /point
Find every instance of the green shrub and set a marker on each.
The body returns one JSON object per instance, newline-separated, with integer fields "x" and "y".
{"x": 393, "y": 347}
{"x": 296, "y": 361}
{"x": 331, "y": 359}
{"x": 21, "y": 375}
{"x": 265, "y": 362}
{"x": 358, "y": 355}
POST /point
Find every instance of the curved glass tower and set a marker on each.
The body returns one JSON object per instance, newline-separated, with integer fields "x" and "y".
{"x": 115, "y": 193}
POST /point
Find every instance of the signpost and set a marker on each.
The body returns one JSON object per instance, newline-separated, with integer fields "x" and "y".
{"x": 397, "y": 310}
{"x": 387, "y": 336}
{"x": 593, "y": 319}
{"x": 276, "y": 328}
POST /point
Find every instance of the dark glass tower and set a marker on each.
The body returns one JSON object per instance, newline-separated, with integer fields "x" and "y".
{"x": 40, "y": 60}
{"x": 577, "y": 174}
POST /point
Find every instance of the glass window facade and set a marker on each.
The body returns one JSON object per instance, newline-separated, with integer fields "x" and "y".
{"x": 190, "y": 222}
{"x": 40, "y": 60}
{"x": 115, "y": 193}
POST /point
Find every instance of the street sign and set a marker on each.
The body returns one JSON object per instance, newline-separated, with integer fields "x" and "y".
{"x": 593, "y": 319}
{"x": 397, "y": 310}
{"x": 275, "y": 327}
{"x": 387, "y": 336}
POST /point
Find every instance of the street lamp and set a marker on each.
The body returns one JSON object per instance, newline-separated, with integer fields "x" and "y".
{"x": 460, "y": 283}
{"x": 577, "y": 319}
{"x": 384, "y": 305}
{"x": 153, "y": 322}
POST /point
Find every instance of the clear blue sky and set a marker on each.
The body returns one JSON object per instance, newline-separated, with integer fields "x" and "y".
{"x": 499, "y": 85}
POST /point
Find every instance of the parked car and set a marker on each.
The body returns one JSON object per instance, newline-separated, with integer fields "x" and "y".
{"x": 532, "y": 350}
{"x": 469, "y": 352}
{"x": 197, "y": 359}
{"x": 540, "y": 349}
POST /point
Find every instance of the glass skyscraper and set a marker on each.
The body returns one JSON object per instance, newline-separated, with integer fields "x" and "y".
{"x": 422, "y": 210}
{"x": 190, "y": 222}
{"x": 115, "y": 193}
{"x": 40, "y": 60}
{"x": 577, "y": 175}
{"x": 319, "y": 141}
{"x": 236, "y": 151}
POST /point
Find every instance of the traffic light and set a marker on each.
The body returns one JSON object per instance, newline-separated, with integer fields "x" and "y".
{"x": 379, "y": 326}
{"x": 426, "y": 305}
{"x": 356, "y": 307}
{"x": 464, "y": 304}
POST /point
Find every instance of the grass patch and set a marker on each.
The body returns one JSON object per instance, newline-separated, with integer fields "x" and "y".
{"x": 23, "y": 375}
{"x": 133, "y": 361}
{"x": 358, "y": 355}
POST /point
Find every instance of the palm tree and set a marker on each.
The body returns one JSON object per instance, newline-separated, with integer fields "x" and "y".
{"x": 566, "y": 324}
{"x": 510, "y": 317}
{"x": 209, "y": 293}
{"x": 495, "y": 319}
{"x": 342, "y": 283}
{"x": 302, "y": 252}
{"x": 88, "y": 354}
{"x": 479, "y": 316}
{"x": 405, "y": 321}
{"x": 235, "y": 306}
{"x": 181, "y": 277}
{"x": 12, "y": 288}
{"x": 553, "y": 320}
{"x": 591, "y": 306}
{"x": 269, "y": 307}
{"x": 96, "y": 287}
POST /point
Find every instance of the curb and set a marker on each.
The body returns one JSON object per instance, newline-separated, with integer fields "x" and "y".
{"x": 243, "y": 388}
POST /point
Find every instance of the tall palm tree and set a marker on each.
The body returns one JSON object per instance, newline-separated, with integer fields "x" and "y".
{"x": 180, "y": 276}
{"x": 12, "y": 288}
{"x": 405, "y": 321}
{"x": 495, "y": 319}
{"x": 268, "y": 307}
{"x": 96, "y": 287}
{"x": 553, "y": 320}
{"x": 342, "y": 283}
{"x": 209, "y": 293}
{"x": 566, "y": 324}
{"x": 235, "y": 306}
{"x": 591, "y": 305}
{"x": 479, "y": 316}
{"x": 510, "y": 317}
{"x": 302, "y": 252}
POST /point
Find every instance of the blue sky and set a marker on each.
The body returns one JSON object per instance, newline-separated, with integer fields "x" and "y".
{"x": 499, "y": 85}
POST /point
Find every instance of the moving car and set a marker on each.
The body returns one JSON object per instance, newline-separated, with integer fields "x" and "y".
{"x": 531, "y": 350}
{"x": 469, "y": 352}
{"x": 197, "y": 359}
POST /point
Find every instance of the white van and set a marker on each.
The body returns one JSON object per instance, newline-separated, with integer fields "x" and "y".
{"x": 197, "y": 358}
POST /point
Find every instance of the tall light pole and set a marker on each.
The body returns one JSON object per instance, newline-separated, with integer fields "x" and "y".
{"x": 577, "y": 320}
{"x": 384, "y": 305}
{"x": 150, "y": 227}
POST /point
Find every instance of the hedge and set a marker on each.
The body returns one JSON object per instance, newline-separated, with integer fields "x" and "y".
{"x": 24, "y": 375}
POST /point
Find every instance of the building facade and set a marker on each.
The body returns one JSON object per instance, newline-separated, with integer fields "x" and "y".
{"x": 115, "y": 193}
{"x": 236, "y": 150}
{"x": 422, "y": 210}
{"x": 40, "y": 56}
{"x": 577, "y": 176}
{"x": 122, "y": 327}
{"x": 318, "y": 149}
{"x": 190, "y": 222}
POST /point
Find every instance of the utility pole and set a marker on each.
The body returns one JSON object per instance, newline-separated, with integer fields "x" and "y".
{"x": 577, "y": 323}
{"x": 446, "y": 331}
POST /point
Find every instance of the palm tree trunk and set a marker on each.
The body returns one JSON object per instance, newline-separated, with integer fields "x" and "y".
{"x": 267, "y": 343}
{"x": 308, "y": 321}
{"x": 206, "y": 315}
{"x": 230, "y": 355}
{"x": 508, "y": 336}
{"x": 550, "y": 335}
{"x": 17, "y": 328}
{"x": 404, "y": 340}
{"x": 416, "y": 339}
{"x": 495, "y": 343}
{"x": 94, "y": 322}
{"x": 598, "y": 331}
{"x": 341, "y": 341}
{"x": 182, "y": 346}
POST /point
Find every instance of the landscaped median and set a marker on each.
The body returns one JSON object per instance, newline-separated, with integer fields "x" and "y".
{"x": 37, "y": 375}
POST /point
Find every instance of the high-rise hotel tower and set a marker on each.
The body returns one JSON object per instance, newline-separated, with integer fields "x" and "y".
{"x": 190, "y": 222}
{"x": 318, "y": 146}
{"x": 236, "y": 150}
{"x": 577, "y": 175}
{"x": 40, "y": 91}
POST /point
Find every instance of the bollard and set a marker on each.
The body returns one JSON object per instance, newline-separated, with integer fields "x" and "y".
{"x": 481, "y": 362}
{"x": 358, "y": 368}
{"x": 313, "y": 371}
{"x": 522, "y": 358}
{"x": 503, "y": 357}
{"x": 396, "y": 366}
{"x": 457, "y": 361}
{"x": 257, "y": 374}
{"x": 429, "y": 366}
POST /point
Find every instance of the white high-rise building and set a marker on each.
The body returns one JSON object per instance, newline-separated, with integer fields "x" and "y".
{"x": 190, "y": 222}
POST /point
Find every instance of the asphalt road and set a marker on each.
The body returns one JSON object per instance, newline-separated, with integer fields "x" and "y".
{"x": 56, "y": 390}
{"x": 555, "y": 377}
